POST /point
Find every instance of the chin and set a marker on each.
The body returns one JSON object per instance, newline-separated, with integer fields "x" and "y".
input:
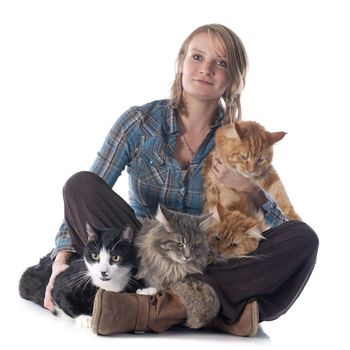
{"x": 200, "y": 94}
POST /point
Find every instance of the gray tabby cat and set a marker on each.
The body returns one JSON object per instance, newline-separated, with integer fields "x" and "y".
{"x": 169, "y": 248}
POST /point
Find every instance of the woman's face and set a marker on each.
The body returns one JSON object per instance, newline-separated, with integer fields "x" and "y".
{"x": 205, "y": 71}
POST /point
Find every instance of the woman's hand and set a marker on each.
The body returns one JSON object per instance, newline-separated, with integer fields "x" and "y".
{"x": 231, "y": 178}
{"x": 58, "y": 266}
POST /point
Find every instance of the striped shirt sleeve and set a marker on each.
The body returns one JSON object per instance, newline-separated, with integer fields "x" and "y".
{"x": 111, "y": 160}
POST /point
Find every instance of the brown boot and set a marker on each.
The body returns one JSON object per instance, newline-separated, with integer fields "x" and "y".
{"x": 247, "y": 324}
{"x": 125, "y": 312}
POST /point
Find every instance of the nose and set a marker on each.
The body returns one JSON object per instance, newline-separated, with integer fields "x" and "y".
{"x": 104, "y": 273}
{"x": 251, "y": 168}
{"x": 206, "y": 68}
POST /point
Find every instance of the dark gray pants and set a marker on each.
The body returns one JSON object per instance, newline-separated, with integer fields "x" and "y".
{"x": 274, "y": 276}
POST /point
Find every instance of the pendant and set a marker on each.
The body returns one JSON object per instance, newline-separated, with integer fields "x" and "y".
{"x": 186, "y": 166}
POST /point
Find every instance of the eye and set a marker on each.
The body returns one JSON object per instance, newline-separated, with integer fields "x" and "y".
{"x": 233, "y": 244}
{"x": 197, "y": 57}
{"x": 180, "y": 245}
{"x": 115, "y": 258}
{"x": 244, "y": 157}
{"x": 260, "y": 160}
{"x": 221, "y": 63}
{"x": 95, "y": 257}
{"x": 217, "y": 238}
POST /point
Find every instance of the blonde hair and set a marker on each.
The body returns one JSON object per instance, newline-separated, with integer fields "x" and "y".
{"x": 237, "y": 70}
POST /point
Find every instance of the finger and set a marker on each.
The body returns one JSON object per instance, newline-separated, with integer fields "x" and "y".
{"x": 48, "y": 303}
{"x": 215, "y": 163}
{"x": 48, "y": 299}
{"x": 215, "y": 171}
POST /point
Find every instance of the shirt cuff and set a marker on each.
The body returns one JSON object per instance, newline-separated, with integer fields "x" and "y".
{"x": 272, "y": 213}
{"x": 62, "y": 244}
{"x": 269, "y": 204}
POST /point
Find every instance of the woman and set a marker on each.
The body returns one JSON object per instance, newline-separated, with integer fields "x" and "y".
{"x": 164, "y": 144}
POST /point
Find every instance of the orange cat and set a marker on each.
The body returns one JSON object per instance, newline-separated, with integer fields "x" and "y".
{"x": 233, "y": 235}
{"x": 247, "y": 147}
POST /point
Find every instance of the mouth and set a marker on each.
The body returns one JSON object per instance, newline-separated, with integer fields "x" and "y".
{"x": 203, "y": 82}
{"x": 105, "y": 279}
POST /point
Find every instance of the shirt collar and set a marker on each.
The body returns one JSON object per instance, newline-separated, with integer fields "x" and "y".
{"x": 171, "y": 125}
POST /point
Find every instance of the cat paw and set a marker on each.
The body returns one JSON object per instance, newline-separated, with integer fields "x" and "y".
{"x": 83, "y": 321}
{"x": 147, "y": 291}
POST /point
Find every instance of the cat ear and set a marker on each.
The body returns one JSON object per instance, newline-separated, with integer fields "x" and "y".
{"x": 127, "y": 234}
{"x": 204, "y": 221}
{"x": 221, "y": 211}
{"x": 163, "y": 215}
{"x": 230, "y": 132}
{"x": 274, "y": 137}
{"x": 240, "y": 131}
{"x": 255, "y": 232}
{"x": 91, "y": 232}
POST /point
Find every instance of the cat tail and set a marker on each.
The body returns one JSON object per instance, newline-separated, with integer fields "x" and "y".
{"x": 200, "y": 300}
{"x": 33, "y": 282}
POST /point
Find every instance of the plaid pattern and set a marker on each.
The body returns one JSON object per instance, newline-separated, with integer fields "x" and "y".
{"x": 143, "y": 139}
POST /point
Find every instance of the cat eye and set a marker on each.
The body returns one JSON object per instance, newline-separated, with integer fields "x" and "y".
{"x": 217, "y": 238}
{"x": 180, "y": 245}
{"x": 260, "y": 160}
{"x": 95, "y": 256}
{"x": 115, "y": 258}
{"x": 233, "y": 244}
{"x": 244, "y": 157}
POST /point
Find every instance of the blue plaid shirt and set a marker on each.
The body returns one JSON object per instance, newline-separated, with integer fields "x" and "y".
{"x": 143, "y": 139}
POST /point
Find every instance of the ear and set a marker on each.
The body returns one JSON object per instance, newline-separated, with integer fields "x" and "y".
{"x": 231, "y": 132}
{"x": 274, "y": 137}
{"x": 240, "y": 132}
{"x": 255, "y": 232}
{"x": 91, "y": 232}
{"x": 127, "y": 234}
{"x": 163, "y": 215}
{"x": 222, "y": 211}
{"x": 204, "y": 221}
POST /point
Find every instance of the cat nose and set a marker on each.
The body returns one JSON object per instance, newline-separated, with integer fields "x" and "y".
{"x": 104, "y": 273}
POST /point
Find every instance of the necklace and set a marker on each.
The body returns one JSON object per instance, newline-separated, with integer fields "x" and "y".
{"x": 189, "y": 161}
{"x": 192, "y": 152}
{"x": 189, "y": 147}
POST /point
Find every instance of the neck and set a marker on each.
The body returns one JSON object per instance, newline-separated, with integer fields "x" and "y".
{"x": 199, "y": 114}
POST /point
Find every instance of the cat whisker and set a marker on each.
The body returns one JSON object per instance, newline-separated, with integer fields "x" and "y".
{"x": 94, "y": 245}
{"x": 71, "y": 279}
{"x": 82, "y": 283}
{"x": 116, "y": 244}
{"x": 130, "y": 282}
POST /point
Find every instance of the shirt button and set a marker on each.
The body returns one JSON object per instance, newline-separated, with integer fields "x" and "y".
{"x": 151, "y": 162}
{"x": 182, "y": 191}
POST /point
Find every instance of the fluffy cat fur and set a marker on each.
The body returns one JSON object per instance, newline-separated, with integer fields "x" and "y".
{"x": 247, "y": 147}
{"x": 170, "y": 247}
{"x": 108, "y": 262}
{"x": 233, "y": 235}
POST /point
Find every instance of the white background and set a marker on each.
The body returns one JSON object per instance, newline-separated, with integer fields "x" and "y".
{"x": 68, "y": 69}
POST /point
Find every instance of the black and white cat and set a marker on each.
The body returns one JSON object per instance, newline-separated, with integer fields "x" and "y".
{"x": 108, "y": 262}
